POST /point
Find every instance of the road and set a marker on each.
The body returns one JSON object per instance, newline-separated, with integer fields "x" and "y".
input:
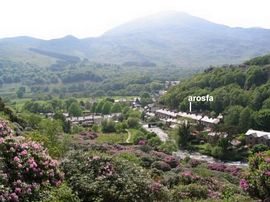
{"x": 129, "y": 136}
{"x": 160, "y": 133}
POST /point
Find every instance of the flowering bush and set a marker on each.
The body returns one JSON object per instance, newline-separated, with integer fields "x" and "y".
{"x": 194, "y": 163}
{"x": 99, "y": 177}
{"x": 4, "y": 130}
{"x": 161, "y": 165}
{"x": 257, "y": 180}
{"x": 172, "y": 161}
{"x": 191, "y": 191}
{"x": 188, "y": 177}
{"x": 88, "y": 135}
{"x": 223, "y": 168}
{"x": 25, "y": 168}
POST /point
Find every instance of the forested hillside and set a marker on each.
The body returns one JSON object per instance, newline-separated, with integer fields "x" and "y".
{"x": 241, "y": 93}
{"x": 83, "y": 78}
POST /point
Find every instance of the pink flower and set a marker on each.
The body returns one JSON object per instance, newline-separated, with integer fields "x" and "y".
{"x": 267, "y": 173}
{"x": 16, "y": 158}
{"x": 142, "y": 142}
{"x": 18, "y": 190}
{"x": 156, "y": 186}
{"x": 24, "y": 153}
{"x": 1, "y": 140}
{"x": 36, "y": 146}
{"x": 20, "y": 165}
{"x": 267, "y": 160}
{"x": 244, "y": 184}
{"x": 14, "y": 197}
{"x": 58, "y": 183}
{"x": 29, "y": 190}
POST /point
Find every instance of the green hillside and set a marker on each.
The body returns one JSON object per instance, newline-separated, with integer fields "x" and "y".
{"x": 241, "y": 93}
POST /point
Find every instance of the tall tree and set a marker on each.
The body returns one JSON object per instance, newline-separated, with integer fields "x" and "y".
{"x": 75, "y": 109}
{"x": 183, "y": 133}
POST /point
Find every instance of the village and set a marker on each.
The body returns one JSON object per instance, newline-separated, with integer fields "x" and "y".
{"x": 169, "y": 118}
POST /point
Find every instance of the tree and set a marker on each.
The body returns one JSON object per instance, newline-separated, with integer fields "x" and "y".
{"x": 99, "y": 107}
{"x": 233, "y": 115}
{"x": 217, "y": 152}
{"x": 51, "y": 129}
{"x": 132, "y": 122}
{"x": 116, "y": 108}
{"x": 262, "y": 119}
{"x": 108, "y": 126}
{"x": 183, "y": 133}
{"x": 57, "y": 104}
{"x": 106, "y": 108}
{"x": 69, "y": 102}
{"x": 245, "y": 119}
{"x": 21, "y": 92}
{"x": 75, "y": 109}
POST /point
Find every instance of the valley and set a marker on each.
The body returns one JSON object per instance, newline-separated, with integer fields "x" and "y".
{"x": 169, "y": 107}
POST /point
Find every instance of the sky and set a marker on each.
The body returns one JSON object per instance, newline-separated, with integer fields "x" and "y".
{"x": 49, "y": 19}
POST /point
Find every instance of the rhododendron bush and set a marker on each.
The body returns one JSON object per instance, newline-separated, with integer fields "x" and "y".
{"x": 26, "y": 170}
{"x": 257, "y": 180}
{"x": 99, "y": 177}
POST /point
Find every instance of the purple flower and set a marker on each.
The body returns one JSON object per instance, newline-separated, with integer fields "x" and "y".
{"x": 1, "y": 140}
{"x": 16, "y": 158}
{"x": 18, "y": 190}
{"x": 244, "y": 184}
{"x": 267, "y": 173}
{"x": 24, "y": 153}
{"x": 142, "y": 142}
{"x": 267, "y": 160}
{"x": 14, "y": 197}
{"x": 156, "y": 186}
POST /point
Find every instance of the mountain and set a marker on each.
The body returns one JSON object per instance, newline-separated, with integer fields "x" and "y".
{"x": 164, "y": 38}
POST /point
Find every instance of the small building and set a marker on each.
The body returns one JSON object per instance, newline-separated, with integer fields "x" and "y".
{"x": 254, "y": 137}
{"x": 136, "y": 103}
{"x": 163, "y": 113}
{"x": 209, "y": 122}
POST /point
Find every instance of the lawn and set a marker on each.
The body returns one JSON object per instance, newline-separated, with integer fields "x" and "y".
{"x": 112, "y": 138}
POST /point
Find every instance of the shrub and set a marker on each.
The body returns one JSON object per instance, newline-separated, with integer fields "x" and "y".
{"x": 108, "y": 126}
{"x": 133, "y": 122}
{"x": 257, "y": 181}
{"x": 191, "y": 191}
{"x": 154, "y": 142}
{"x": 61, "y": 194}
{"x": 5, "y": 130}
{"x": 146, "y": 161}
{"x": 130, "y": 157}
{"x": 26, "y": 170}
{"x": 172, "y": 161}
{"x": 138, "y": 136}
{"x": 188, "y": 177}
{"x": 145, "y": 148}
{"x": 161, "y": 165}
{"x": 103, "y": 178}
{"x": 170, "y": 179}
{"x": 194, "y": 163}
{"x": 217, "y": 152}
{"x": 168, "y": 147}
{"x": 259, "y": 148}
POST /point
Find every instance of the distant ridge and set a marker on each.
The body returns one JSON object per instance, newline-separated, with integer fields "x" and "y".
{"x": 165, "y": 38}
